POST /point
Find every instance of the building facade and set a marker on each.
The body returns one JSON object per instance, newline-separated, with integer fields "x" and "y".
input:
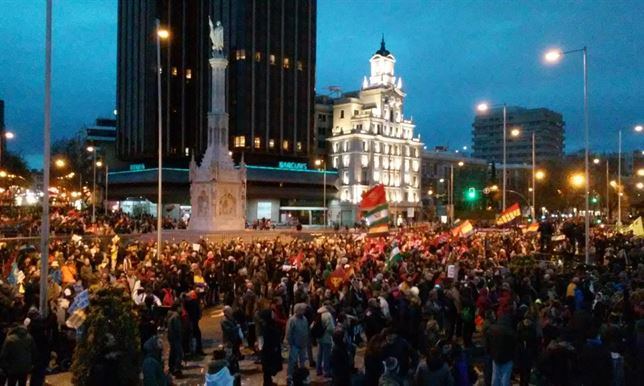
{"x": 271, "y": 80}
{"x": 323, "y": 123}
{"x": 270, "y": 84}
{"x": 547, "y": 125}
{"x": 373, "y": 143}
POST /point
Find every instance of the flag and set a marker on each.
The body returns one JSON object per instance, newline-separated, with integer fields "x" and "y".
{"x": 335, "y": 280}
{"x": 374, "y": 203}
{"x": 636, "y": 227}
{"x": 394, "y": 257}
{"x": 81, "y": 301}
{"x": 76, "y": 320}
{"x": 463, "y": 230}
{"x": 509, "y": 214}
{"x": 297, "y": 260}
{"x": 534, "y": 227}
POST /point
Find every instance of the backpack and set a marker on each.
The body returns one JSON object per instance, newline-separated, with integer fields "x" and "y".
{"x": 317, "y": 329}
{"x": 168, "y": 299}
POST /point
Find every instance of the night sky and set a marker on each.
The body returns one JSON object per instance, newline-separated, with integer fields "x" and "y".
{"x": 451, "y": 55}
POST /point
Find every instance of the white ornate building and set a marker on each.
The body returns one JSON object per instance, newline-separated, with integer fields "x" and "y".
{"x": 372, "y": 143}
{"x": 217, "y": 187}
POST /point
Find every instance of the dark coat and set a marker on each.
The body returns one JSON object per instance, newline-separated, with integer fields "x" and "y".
{"x": 501, "y": 341}
{"x": 18, "y": 352}
{"x": 271, "y": 355}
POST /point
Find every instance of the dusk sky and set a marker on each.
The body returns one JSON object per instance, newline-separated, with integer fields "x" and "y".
{"x": 451, "y": 55}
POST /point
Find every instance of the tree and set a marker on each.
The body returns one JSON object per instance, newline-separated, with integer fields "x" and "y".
{"x": 110, "y": 345}
{"x": 14, "y": 163}
{"x": 73, "y": 152}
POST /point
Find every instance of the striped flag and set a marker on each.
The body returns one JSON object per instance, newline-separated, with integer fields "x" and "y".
{"x": 463, "y": 230}
{"x": 374, "y": 203}
{"x": 509, "y": 214}
{"x": 395, "y": 257}
{"x": 532, "y": 228}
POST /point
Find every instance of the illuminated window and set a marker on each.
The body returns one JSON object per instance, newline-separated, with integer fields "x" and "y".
{"x": 271, "y": 143}
{"x": 376, "y": 161}
{"x": 376, "y": 147}
{"x": 285, "y": 145}
{"x": 416, "y": 152}
{"x": 300, "y": 66}
{"x": 365, "y": 160}
{"x": 345, "y": 177}
{"x": 336, "y": 147}
{"x": 298, "y": 146}
{"x": 240, "y": 54}
{"x": 406, "y": 165}
{"x": 240, "y": 141}
{"x": 335, "y": 162}
{"x": 414, "y": 165}
{"x": 376, "y": 176}
{"x": 407, "y": 151}
{"x": 258, "y": 142}
{"x": 286, "y": 63}
{"x": 174, "y": 71}
{"x": 188, "y": 73}
{"x": 345, "y": 160}
{"x": 271, "y": 59}
{"x": 346, "y": 145}
{"x": 187, "y": 151}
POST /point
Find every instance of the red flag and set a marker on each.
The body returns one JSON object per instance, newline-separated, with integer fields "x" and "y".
{"x": 335, "y": 280}
{"x": 509, "y": 214}
{"x": 297, "y": 260}
{"x": 373, "y": 197}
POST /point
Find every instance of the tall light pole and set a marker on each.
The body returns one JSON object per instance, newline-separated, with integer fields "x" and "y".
{"x": 484, "y": 107}
{"x": 318, "y": 163}
{"x": 107, "y": 171}
{"x": 607, "y": 192}
{"x": 161, "y": 34}
{"x": 554, "y": 56}
{"x": 92, "y": 150}
{"x": 637, "y": 129}
{"x": 534, "y": 178}
{"x": 7, "y": 135}
{"x": 44, "y": 229}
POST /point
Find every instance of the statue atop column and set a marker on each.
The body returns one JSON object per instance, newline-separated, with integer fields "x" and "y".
{"x": 216, "y": 36}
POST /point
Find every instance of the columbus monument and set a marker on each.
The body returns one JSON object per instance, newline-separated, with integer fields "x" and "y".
{"x": 217, "y": 187}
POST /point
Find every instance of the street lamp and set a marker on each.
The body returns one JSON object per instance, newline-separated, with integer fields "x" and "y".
{"x": 553, "y": 56}
{"x": 92, "y": 150}
{"x": 7, "y": 135}
{"x": 577, "y": 180}
{"x": 60, "y": 163}
{"x": 483, "y": 108}
{"x": 596, "y": 161}
{"x": 164, "y": 34}
{"x": 637, "y": 129}
{"x": 451, "y": 190}
{"x": 318, "y": 163}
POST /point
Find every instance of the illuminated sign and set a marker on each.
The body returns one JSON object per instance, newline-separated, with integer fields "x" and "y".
{"x": 137, "y": 167}
{"x": 293, "y": 165}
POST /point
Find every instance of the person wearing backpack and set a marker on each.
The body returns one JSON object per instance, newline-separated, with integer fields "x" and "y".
{"x": 325, "y": 342}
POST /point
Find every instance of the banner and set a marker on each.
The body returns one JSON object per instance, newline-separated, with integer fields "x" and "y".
{"x": 464, "y": 229}
{"x": 509, "y": 214}
{"x": 637, "y": 227}
{"x": 81, "y": 301}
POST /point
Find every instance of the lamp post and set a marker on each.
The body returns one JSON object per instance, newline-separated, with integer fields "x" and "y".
{"x": 161, "y": 34}
{"x": 637, "y": 129}
{"x": 44, "y": 229}
{"x": 7, "y": 135}
{"x": 554, "y": 56}
{"x": 450, "y": 197}
{"x": 484, "y": 107}
{"x": 107, "y": 171}
{"x": 92, "y": 150}
{"x": 607, "y": 192}
{"x": 318, "y": 163}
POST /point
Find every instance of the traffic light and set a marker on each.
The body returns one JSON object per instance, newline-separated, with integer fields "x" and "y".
{"x": 471, "y": 194}
{"x": 594, "y": 199}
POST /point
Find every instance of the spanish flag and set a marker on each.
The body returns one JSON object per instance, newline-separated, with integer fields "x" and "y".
{"x": 509, "y": 214}
{"x": 376, "y": 209}
{"x": 532, "y": 228}
{"x": 463, "y": 229}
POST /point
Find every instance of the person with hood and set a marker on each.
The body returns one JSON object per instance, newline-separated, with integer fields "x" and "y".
{"x": 38, "y": 328}
{"x": 390, "y": 376}
{"x": 153, "y": 374}
{"x": 175, "y": 339}
{"x": 500, "y": 342}
{"x": 527, "y": 352}
{"x": 433, "y": 371}
{"x": 340, "y": 363}
{"x": 231, "y": 332}
{"x": 17, "y": 355}
{"x": 218, "y": 370}
{"x": 325, "y": 342}
{"x": 270, "y": 346}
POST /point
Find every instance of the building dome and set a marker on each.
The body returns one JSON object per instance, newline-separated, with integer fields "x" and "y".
{"x": 383, "y": 51}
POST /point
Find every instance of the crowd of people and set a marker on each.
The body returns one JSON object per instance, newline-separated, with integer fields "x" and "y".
{"x": 427, "y": 307}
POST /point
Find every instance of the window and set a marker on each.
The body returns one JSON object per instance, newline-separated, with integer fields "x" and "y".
{"x": 188, "y": 73}
{"x": 341, "y": 114}
{"x": 240, "y": 141}
{"x": 240, "y": 54}
{"x": 376, "y": 161}
{"x": 321, "y": 117}
{"x": 264, "y": 209}
{"x": 365, "y": 146}
{"x": 406, "y": 165}
{"x": 258, "y": 142}
{"x": 376, "y": 147}
{"x": 335, "y": 162}
{"x": 345, "y": 160}
{"x": 345, "y": 177}
{"x": 414, "y": 165}
{"x": 298, "y": 146}
{"x": 365, "y": 160}
{"x": 286, "y": 63}
{"x": 300, "y": 66}
{"x": 346, "y": 145}
{"x": 174, "y": 71}
{"x": 258, "y": 56}
{"x": 364, "y": 177}
{"x": 271, "y": 59}
{"x": 355, "y": 112}
{"x": 376, "y": 176}
{"x": 407, "y": 153}
{"x": 271, "y": 143}
{"x": 336, "y": 147}
{"x": 285, "y": 145}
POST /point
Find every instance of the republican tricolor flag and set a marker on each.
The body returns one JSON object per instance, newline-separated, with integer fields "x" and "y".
{"x": 509, "y": 214}
{"x": 376, "y": 209}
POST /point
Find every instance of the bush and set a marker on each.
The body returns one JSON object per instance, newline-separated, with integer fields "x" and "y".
{"x": 109, "y": 349}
